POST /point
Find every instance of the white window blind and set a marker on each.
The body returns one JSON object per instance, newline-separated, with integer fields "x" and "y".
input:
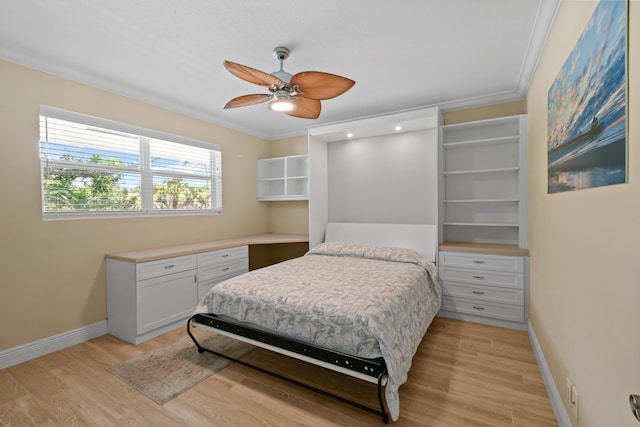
{"x": 95, "y": 167}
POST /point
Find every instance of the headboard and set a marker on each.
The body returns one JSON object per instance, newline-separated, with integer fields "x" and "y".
{"x": 422, "y": 238}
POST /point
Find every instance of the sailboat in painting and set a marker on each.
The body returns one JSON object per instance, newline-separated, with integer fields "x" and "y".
{"x": 587, "y": 106}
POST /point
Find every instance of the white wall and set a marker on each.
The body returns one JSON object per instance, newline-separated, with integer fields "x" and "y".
{"x": 390, "y": 178}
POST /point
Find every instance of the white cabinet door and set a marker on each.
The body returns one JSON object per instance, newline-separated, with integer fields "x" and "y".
{"x": 147, "y": 270}
{"x": 205, "y": 286}
{"x": 165, "y": 299}
{"x": 223, "y": 270}
{"x": 508, "y": 312}
{"x": 222, "y": 256}
{"x": 481, "y": 261}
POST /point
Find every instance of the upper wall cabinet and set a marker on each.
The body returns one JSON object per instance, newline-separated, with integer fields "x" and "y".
{"x": 483, "y": 181}
{"x": 283, "y": 178}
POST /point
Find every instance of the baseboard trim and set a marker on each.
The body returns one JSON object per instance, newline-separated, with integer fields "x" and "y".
{"x": 556, "y": 399}
{"x": 25, "y": 352}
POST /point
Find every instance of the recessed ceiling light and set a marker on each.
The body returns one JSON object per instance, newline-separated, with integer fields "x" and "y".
{"x": 349, "y": 135}
{"x": 398, "y": 128}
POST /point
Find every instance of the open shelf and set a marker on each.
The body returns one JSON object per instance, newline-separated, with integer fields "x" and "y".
{"x": 283, "y": 178}
{"x": 483, "y": 181}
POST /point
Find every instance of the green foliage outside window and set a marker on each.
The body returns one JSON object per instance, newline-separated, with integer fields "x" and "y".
{"x": 79, "y": 189}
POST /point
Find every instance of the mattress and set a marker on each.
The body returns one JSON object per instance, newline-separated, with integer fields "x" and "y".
{"x": 366, "y": 301}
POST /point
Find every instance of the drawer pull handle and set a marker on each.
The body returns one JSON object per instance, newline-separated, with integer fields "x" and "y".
{"x": 225, "y": 255}
{"x": 478, "y": 261}
{"x": 478, "y": 308}
{"x": 169, "y": 266}
{"x": 478, "y": 277}
{"x": 478, "y": 292}
{"x": 225, "y": 269}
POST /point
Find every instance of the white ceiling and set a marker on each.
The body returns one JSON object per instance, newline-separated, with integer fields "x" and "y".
{"x": 403, "y": 54}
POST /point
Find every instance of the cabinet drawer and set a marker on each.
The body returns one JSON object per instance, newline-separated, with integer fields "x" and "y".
{"x": 514, "y": 313}
{"x": 222, "y": 256}
{"x": 204, "y": 287}
{"x": 482, "y": 277}
{"x": 165, "y": 299}
{"x": 481, "y": 261}
{"x": 147, "y": 270}
{"x": 483, "y": 293}
{"x": 221, "y": 270}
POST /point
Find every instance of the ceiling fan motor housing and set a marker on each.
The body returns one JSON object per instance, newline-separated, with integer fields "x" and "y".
{"x": 282, "y": 75}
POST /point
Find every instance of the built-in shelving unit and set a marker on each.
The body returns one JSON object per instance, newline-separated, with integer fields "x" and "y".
{"x": 283, "y": 178}
{"x": 483, "y": 181}
{"x": 483, "y": 261}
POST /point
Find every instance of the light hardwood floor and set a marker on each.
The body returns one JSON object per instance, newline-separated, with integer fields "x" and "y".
{"x": 464, "y": 374}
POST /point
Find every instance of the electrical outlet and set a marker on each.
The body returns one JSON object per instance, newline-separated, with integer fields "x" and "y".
{"x": 575, "y": 401}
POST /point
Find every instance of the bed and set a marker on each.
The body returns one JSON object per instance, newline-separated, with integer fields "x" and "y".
{"x": 359, "y": 303}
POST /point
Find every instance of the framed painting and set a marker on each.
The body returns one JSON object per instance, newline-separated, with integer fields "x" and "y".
{"x": 587, "y": 106}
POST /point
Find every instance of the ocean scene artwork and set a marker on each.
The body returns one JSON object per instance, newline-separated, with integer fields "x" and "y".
{"x": 587, "y": 113}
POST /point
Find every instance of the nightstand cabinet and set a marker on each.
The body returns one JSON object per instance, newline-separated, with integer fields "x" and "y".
{"x": 485, "y": 288}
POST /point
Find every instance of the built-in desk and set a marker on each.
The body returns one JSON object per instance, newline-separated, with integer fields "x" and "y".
{"x": 152, "y": 291}
{"x": 154, "y": 254}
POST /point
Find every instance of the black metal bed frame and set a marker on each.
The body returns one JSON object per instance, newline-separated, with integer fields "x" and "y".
{"x": 374, "y": 368}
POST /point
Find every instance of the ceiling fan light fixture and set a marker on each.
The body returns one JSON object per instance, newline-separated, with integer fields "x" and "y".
{"x": 281, "y": 102}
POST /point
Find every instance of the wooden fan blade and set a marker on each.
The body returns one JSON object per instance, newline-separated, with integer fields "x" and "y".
{"x": 318, "y": 85}
{"x": 305, "y": 108}
{"x": 252, "y": 75}
{"x": 243, "y": 101}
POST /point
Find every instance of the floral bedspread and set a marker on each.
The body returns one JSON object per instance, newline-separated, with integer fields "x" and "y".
{"x": 367, "y": 301}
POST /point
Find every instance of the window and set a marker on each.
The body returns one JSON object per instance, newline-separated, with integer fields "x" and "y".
{"x": 94, "y": 167}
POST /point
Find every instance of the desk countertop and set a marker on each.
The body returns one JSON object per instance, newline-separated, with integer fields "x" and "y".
{"x": 179, "y": 250}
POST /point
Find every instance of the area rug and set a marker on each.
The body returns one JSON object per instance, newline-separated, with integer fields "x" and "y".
{"x": 172, "y": 369}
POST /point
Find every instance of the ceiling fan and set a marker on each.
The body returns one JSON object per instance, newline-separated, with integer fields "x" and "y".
{"x": 297, "y": 95}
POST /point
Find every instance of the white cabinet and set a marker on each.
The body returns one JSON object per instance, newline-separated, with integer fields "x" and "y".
{"x": 485, "y": 288}
{"x": 216, "y": 266}
{"x": 147, "y": 299}
{"x": 483, "y": 181}
{"x": 164, "y": 300}
{"x": 381, "y": 169}
{"x": 283, "y": 178}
